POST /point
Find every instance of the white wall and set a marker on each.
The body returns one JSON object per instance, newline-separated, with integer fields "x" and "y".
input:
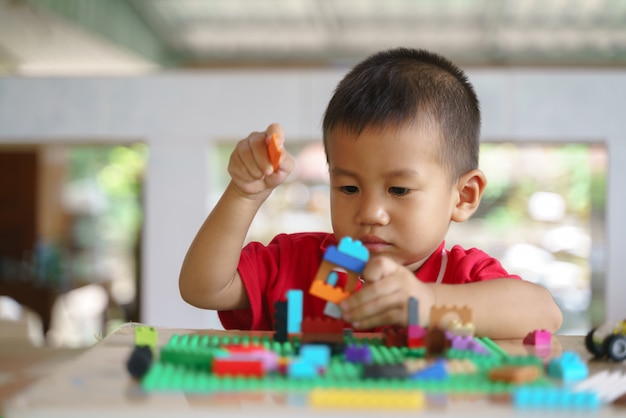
{"x": 179, "y": 114}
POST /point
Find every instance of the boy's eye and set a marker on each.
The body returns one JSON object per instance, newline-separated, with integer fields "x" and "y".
{"x": 398, "y": 191}
{"x": 349, "y": 189}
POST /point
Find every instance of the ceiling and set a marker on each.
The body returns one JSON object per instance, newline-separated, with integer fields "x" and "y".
{"x": 472, "y": 31}
{"x": 149, "y": 34}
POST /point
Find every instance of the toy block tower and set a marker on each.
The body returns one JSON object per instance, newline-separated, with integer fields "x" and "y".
{"x": 350, "y": 257}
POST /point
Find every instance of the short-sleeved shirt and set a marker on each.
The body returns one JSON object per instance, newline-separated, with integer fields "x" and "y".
{"x": 291, "y": 261}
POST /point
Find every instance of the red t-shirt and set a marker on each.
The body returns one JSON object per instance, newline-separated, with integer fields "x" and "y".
{"x": 291, "y": 261}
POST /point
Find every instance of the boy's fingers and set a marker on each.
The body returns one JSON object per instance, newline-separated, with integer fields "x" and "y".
{"x": 276, "y": 128}
{"x": 247, "y": 151}
{"x": 368, "y": 299}
{"x": 386, "y": 310}
{"x": 378, "y": 268}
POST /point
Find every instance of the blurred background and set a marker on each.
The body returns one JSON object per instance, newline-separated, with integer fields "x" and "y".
{"x": 73, "y": 209}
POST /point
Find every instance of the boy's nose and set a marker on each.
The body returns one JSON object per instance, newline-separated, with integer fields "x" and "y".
{"x": 372, "y": 212}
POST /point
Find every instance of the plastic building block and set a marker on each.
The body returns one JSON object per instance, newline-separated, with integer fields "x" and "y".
{"x": 455, "y": 327}
{"x": 234, "y": 367}
{"x": 353, "y": 248}
{"x": 333, "y": 310}
{"x": 460, "y": 342}
{"x": 294, "y": 311}
{"x": 367, "y": 399}
{"x": 322, "y": 330}
{"x": 325, "y": 291}
{"x": 316, "y": 354}
{"x": 538, "y": 337}
{"x": 436, "y": 342}
{"x": 395, "y": 336}
{"x": 139, "y": 361}
{"x": 554, "y": 398}
{"x": 268, "y": 358}
{"x": 493, "y": 347}
{"x": 338, "y": 258}
{"x": 415, "y": 365}
{"x": 350, "y": 257}
{"x": 186, "y": 365}
{"x": 568, "y": 367}
{"x": 301, "y": 368}
{"x": 416, "y": 331}
{"x": 332, "y": 278}
{"x": 413, "y": 311}
{"x": 273, "y": 151}
{"x": 387, "y": 371}
{"x": 436, "y": 370}
{"x": 358, "y": 354}
{"x": 464, "y": 366}
{"x": 440, "y": 316}
{"x": 610, "y": 386}
{"x": 146, "y": 336}
{"x": 322, "y": 325}
{"x": 189, "y": 351}
{"x": 515, "y": 374}
{"x": 280, "y": 321}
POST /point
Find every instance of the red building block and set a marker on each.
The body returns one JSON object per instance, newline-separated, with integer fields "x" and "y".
{"x": 229, "y": 367}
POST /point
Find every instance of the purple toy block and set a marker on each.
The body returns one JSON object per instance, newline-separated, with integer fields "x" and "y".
{"x": 467, "y": 343}
{"x": 358, "y": 354}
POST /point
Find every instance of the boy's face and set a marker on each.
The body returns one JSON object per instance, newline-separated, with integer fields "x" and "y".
{"x": 389, "y": 190}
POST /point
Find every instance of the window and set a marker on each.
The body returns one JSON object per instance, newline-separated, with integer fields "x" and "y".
{"x": 542, "y": 215}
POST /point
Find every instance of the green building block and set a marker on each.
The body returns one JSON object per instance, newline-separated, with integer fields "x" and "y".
{"x": 185, "y": 366}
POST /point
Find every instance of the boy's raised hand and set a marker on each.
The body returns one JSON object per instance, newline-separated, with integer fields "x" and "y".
{"x": 250, "y": 167}
{"x": 383, "y": 299}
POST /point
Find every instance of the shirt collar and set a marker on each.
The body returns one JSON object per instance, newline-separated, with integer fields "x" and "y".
{"x": 429, "y": 271}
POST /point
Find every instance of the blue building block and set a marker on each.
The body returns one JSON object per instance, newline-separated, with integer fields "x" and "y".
{"x": 535, "y": 397}
{"x": 294, "y": 311}
{"x": 346, "y": 261}
{"x": 354, "y": 248}
{"x": 436, "y": 371}
{"x": 332, "y": 278}
{"x": 317, "y": 354}
{"x": 568, "y": 367}
{"x": 300, "y": 368}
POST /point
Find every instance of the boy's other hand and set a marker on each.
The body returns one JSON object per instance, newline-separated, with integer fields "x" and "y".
{"x": 250, "y": 167}
{"x": 383, "y": 299}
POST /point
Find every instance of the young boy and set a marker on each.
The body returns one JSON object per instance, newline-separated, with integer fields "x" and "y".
{"x": 401, "y": 135}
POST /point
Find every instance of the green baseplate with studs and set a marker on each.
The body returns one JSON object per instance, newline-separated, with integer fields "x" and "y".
{"x": 185, "y": 361}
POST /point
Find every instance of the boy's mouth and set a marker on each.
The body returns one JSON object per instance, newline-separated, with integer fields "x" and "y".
{"x": 374, "y": 243}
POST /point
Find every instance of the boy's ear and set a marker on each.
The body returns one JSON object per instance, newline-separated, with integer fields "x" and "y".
{"x": 470, "y": 189}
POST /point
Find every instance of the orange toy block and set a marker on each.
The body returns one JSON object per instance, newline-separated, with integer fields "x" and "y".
{"x": 274, "y": 151}
{"x": 327, "y": 292}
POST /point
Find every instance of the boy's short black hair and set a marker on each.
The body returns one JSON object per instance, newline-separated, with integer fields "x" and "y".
{"x": 398, "y": 86}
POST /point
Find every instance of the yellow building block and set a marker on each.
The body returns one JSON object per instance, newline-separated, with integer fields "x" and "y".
{"x": 366, "y": 399}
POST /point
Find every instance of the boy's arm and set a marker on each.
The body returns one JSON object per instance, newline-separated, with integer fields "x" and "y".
{"x": 208, "y": 277}
{"x": 503, "y": 308}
